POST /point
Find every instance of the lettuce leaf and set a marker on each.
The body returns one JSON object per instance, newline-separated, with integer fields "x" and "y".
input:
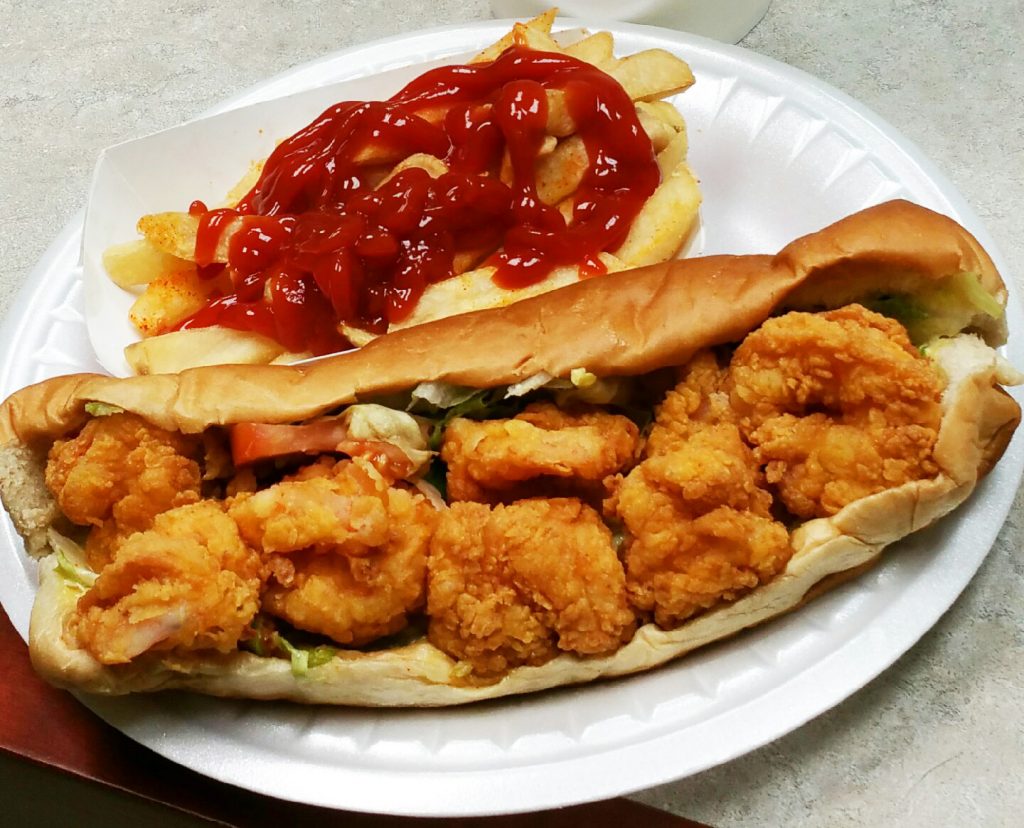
{"x": 481, "y": 405}
{"x": 304, "y": 659}
{"x": 102, "y": 409}
{"x": 70, "y": 561}
{"x": 942, "y": 309}
{"x": 439, "y": 395}
{"x": 267, "y": 642}
{"x": 904, "y": 309}
{"x": 369, "y": 421}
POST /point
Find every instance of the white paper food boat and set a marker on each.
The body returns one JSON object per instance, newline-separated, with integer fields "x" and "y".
{"x": 202, "y": 159}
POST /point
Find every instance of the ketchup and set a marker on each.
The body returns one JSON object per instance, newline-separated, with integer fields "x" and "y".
{"x": 328, "y": 235}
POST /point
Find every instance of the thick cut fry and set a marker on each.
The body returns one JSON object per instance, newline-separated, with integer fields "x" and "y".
{"x": 673, "y": 155}
{"x": 560, "y": 173}
{"x": 434, "y": 166}
{"x": 175, "y": 233}
{"x": 664, "y": 112}
{"x": 357, "y": 336}
{"x": 560, "y": 122}
{"x": 536, "y": 39}
{"x": 476, "y": 290}
{"x": 247, "y": 182}
{"x": 541, "y": 23}
{"x": 178, "y": 350}
{"x": 595, "y": 49}
{"x": 138, "y": 262}
{"x": 664, "y": 222}
{"x": 505, "y": 173}
{"x": 171, "y": 299}
{"x": 652, "y": 74}
{"x": 660, "y": 133}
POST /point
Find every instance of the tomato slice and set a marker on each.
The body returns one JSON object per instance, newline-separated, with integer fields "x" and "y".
{"x": 260, "y": 441}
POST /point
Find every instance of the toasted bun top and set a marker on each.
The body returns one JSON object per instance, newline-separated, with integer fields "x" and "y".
{"x": 893, "y": 237}
{"x": 621, "y": 324}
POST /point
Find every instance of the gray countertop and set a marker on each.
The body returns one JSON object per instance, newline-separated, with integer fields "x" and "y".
{"x": 936, "y": 739}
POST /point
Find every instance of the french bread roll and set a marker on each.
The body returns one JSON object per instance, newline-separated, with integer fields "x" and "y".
{"x": 623, "y": 324}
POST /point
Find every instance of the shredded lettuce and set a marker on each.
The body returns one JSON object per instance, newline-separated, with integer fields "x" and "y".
{"x": 70, "y": 561}
{"x": 523, "y": 387}
{"x": 267, "y": 642}
{"x": 440, "y": 395}
{"x": 904, "y": 309}
{"x": 304, "y": 659}
{"x": 369, "y": 421}
{"x": 299, "y": 657}
{"x": 442, "y": 402}
{"x": 76, "y": 576}
{"x": 318, "y": 656}
{"x": 943, "y": 309}
{"x": 102, "y": 409}
{"x": 969, "y": 286}
{"x": 481, "y": 405}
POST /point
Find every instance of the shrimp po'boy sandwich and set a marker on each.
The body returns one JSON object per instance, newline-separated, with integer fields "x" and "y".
{"x": 585, "y": 484}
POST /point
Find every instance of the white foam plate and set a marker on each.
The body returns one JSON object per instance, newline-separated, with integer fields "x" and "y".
{"x": 779, "y": 154}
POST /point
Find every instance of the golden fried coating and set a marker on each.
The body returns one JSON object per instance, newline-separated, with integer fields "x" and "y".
{"x": 347, "y": 512}
{"x": 518, "y": 584}
{"x": 838, "y": 405}
{"x": 698, "y": 526}
{"x": 348, "y": 553}
{"x": 188, "y": 583}
{"x": 117, "y": 475}
{"x": 357, "y": 599}
{"x": 557, "y": 451}
{"x": 697, "y": 401}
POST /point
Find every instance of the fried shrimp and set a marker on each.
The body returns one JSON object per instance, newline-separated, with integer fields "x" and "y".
{"x": 518, "y": 584}
{"x": 699, "y": 400}
{"x": 838, "y": 406}
{"x": 698, "y": 526}
{"x": 348, "y": 552}
{"x": 117, "y": 475}
{"x": 341, "y": 506}
{"x": 559, "y": 452}
{"x": 188, "y": 583}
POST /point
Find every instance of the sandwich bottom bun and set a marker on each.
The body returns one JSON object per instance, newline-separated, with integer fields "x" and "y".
{"x": 978, "y": 420}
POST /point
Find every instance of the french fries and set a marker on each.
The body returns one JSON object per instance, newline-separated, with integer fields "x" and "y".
{"x": 171, "y": 298}
{"x": 200, "y": 346}
{"x": 163, "y": 261}
{"x": 139, "y": 262}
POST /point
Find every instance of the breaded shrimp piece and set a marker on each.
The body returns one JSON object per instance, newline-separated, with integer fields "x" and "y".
{"x": 355, "y": 599}
{"x": 348, "y": 553}
{"x": 188, "y": 583}
{"x": 518, "y": 584}
{"x": 118, "y": 474}
{"x": 569, "y": 452}
{"x": 699, "y": 400}
{"x": 295, "y": 515}
{"x": 838, "y": 405}
{"x": 698, "y": 526}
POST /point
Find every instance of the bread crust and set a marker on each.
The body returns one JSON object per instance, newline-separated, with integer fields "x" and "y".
{"x": 624, "y": 323}
{"x": 637, "y": 322}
